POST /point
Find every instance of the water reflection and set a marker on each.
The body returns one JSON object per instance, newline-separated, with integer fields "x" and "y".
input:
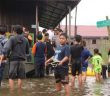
{"x": 46, "y": 87}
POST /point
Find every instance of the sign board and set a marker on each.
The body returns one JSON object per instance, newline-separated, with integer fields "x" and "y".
{"x": 33, "y": 26}
{"x": 103, "y": 23}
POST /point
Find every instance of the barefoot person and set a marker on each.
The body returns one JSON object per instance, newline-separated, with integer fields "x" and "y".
{"x": 18, "y": 47}
{"x": 97, "y": 64}
{"x": 85, "y": 56}
{"x": 61, "y": 71}
{"x": 76, "y": 51}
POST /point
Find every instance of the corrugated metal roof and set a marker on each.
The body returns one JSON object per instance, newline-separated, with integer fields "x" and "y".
{"x": 50, "y": 12}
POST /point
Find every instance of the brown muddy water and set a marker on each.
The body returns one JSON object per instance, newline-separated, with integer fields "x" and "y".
{"x": 46, "y": 87}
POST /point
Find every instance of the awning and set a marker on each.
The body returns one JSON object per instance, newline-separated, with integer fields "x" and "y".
{"x": 50, "y": 12}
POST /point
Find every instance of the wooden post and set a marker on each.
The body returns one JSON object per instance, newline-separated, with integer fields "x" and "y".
{"x": 66, "y": 25}
{"x": 69, "y": 24}
{"x": 75, "y": 33}
{"x": 108, "y": 28}
{"x": 59, "y": 26}
{"x": 37, "y": 24}
{"x": 0, "y": 15}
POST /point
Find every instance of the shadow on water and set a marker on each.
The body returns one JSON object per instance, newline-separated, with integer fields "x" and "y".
{"x": 46, "y": 87}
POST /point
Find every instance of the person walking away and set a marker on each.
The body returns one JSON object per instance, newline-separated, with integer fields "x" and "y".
{"x": 3, "y": 41}
{"x": 97, "y": 64}
{"x": 108, "y": 67}
{"x": 104, "y": 68}
{"x": 39, "y": 51}
{"x": 85, "y": 56}
{"x": 50, "y": 52}
{"x": 62, "y": 54}
{"x": 16, "y": 47}
{"x": 104, "y": 71}
{"x": 75, "y": 52}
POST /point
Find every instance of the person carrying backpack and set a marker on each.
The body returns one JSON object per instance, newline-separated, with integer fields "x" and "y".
{"x": 18, "y": 47}
{"x": 3, "y": 41}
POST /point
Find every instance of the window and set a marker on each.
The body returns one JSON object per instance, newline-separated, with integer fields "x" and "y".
{"x": 94, "y": 41}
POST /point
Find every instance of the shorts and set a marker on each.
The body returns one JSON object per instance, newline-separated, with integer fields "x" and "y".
{"x": 61, "y": 75}
{"x": 97, "y": 70}
{"x": 1, "y": 70}
{"x": 17, "y": 70}
{"x": 76, "y": 67}
{"x": 84, "y": 64}
{"x": 84, "y": 69}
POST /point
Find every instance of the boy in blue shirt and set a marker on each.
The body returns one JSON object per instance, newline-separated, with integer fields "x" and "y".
{"x": 62, "y": 54}
{"x": 85, "y": 56}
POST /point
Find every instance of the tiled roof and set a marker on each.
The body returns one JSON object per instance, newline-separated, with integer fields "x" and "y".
{"x": 89, "y": 31}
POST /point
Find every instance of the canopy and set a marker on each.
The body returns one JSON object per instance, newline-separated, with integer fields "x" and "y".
{"x": 50, "y": 12}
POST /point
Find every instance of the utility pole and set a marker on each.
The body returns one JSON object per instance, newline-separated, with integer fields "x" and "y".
{"x": 108, "y": 28}
{"x": 37, "y": 24}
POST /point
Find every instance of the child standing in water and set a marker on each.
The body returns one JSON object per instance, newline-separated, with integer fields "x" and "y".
{"x": 39, "y": 51}
{"x": 85, "y": 56}
{"x": 97, "y": 64}
{"x": 75, "y": 51}
{"x": 62, "y": 53}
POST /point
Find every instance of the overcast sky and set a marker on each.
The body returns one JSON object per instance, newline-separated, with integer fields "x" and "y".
{"x": 91, "y": 11}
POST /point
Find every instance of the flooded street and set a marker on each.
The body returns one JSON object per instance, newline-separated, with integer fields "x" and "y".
{"x": 46, "y": 87}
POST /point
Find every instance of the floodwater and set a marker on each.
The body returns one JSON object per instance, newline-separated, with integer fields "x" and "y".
{"x": 46, "y": 87}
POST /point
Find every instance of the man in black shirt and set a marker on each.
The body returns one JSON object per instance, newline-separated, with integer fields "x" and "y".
{"x": 76, "y": 51}
{"x": 50, "y": 52}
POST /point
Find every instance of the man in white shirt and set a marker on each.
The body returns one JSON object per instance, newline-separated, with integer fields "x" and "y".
{"x": 51, "y": 34}
{"x": 56, "y": 36}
